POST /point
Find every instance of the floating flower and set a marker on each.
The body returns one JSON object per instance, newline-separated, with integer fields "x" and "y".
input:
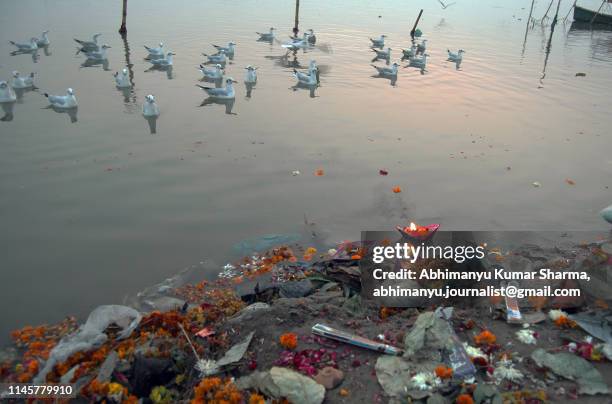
{"x": 319, "y": 172}
{"x": 396, "y": 190}
{"x": 289, "y": 340}
{"x": 464, "y": 399}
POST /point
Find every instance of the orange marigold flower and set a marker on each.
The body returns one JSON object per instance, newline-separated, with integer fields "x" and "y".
{"x": 396, "y": 190}
{"x": 319, "y": 172}
{"x": 565, "y": 322}
{"x": 355, "y": 257}
{"x": 485, "y": 338}
{"x": 464, "y": 399}
{"x": 256, "y": 399}
{"x": 288, "y": 340}
{"x": 344, "y": 392}
{"x": 443, "y": 372}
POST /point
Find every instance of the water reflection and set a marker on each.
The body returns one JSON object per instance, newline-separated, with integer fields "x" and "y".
{"x": 249, "y": 88}
{"x": 128, "y": 92}
{"x": 71, "y": 112}
{"x": 96, "y": 62}
{"x": 7, "y": 108}
{"x": 166, "y": 69}
{"x": 228, "y": 103}
{"x": 33, "y": 53}
{"x": 304, "y": 86}
{"x": 152, "y": 121}
{"x": 20, "y": 92}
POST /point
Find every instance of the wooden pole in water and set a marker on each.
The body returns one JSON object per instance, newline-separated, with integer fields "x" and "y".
{"x": 123, "y": 28}
{"x": 297, "y": 18}
{"x": 415, "y": 24}
{"x": 570, "y": 10}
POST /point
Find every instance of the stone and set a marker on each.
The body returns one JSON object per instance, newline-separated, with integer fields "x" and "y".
{"x": 150, "y": 372}
{"x": 295, "y": 288}
{"x": 329, "y": 377}
{"x": 284, "y": 383}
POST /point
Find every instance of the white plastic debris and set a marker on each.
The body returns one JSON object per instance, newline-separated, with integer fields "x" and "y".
{"x": 536, "y": 184}
{"x": 526, "y": 336}
{"x": 295, "y": 172}
{"x": 473, "y": 352}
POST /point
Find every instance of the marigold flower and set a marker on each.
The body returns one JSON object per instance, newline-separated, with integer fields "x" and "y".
{"x": 565, "y": 322}
{"x": 396, "y": 190}
{"x": 443, "y": 372}
{"x": 256, "y": 399}
{"x": 344, "y": 392}
{"x": 289, "y": 340}
{"x": 464, "y": 399}
{"x": 485, "y": 338}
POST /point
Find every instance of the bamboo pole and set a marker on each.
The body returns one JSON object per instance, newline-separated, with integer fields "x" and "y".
{"x": 297, "y": 18}
{"x": 570, "y": 10}
{"x": 123, "y": 28}
{"x": 415, "y": 24}
{"x": 597, "y": 13}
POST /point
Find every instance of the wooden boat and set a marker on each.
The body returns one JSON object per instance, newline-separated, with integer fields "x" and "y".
{"x": 582, "y": 14}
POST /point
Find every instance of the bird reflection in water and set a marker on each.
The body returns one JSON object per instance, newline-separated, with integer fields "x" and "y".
{"x": 96, "y": 62}
{"x": 7, "y": 108}
{"x": 157, "y": 68}
{"x": 71, "y": 112}
{"x": 229, "y": 104}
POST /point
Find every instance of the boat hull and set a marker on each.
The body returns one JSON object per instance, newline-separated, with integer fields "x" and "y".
{"x": 585, "y": 15}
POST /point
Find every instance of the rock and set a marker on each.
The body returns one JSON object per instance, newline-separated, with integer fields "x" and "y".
{"x": 429, "y": 335}
{"x": 487, "y": 393}
{"x": 107, "y": 367}
{"x": 395, "y": 374}
{"x": 568, "y": 302}
{"x": 284, "y": 383}
{"x": 250, "y": 312}
{"x": 607, "y": 214}
{"x": 437, "y": 399}
{"x": 295, "y": 289}
{"x": 572, "y": 367}
{"x": 329, "y": 377}
{"x": 150, "y": 372}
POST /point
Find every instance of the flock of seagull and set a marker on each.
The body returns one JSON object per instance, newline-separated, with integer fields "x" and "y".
{"x": 213, "y": 70}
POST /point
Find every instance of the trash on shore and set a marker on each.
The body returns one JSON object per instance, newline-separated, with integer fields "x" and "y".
{"x": 332, "y": 333}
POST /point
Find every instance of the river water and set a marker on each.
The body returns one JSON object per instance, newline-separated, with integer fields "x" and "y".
{"x": 96, "y": 209}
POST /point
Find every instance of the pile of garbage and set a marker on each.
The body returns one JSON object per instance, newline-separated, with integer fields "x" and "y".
{"x": 286, "y": 326}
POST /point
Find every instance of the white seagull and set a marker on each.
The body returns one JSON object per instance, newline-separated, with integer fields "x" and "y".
{"x": 309, "y": 79}
{"x": 312, "y": 39}
{"x": 99, "y": 54}
{"x": 455, "y": 57}
{"x": 63, "y": 101}
{"x": 382, "y": 54}
{"x": 250, "y": 76}
{"x": 24, "y": 47}
{"x": 422, "y": 47}
{"x": 217, "y": 58}
{"x": 22, "y": 82}
{"x": 122, "y": 80}
{"x": 266, "y": 36}
{"x": 163, "y": 62}
{"x": 224, "y": 93}
{"x": 387, "y": 71}
{"x": 89, "y": 45}
{"x": 410, "y": 53}
{"x": 150, "y": 108}
{"x": 212, "y": 73}
{"x": 43, "y": 40}
{"x": 156, "y": 52}
{"x": 380, "y": 42}
{"x": 6, "y": 92}
{"x": 420, "y": 63}
{"x": 228, "y": 50}
{"x": 444, "y": 6}
{"x": 297, "y": 43}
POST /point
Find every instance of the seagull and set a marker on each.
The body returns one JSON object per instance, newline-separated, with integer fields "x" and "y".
{"x": 156, "y": 52}
{"x": 212, "y": 73}
{"x": 380, "y": 42}
{"x": 444, "y": 6}
{"x": 387, "y": 71}
{"x": 420, "y": 63}
{"x": 99, "y": 54}
{"x": 297, "y": 43}
{"x": 217, "y": 58}
{"x": 312, "y": 39}
{"x": 122, "y": 80}
{"x": 382, "y": 54}
{"x": 44, "y": 40}
{"x": 309, "y": 79}
{"x": 89, "y": 45}
{"x": 422, "y": 47}
{"x": 22, "y": 82}
{"x": 6, "y": 92}
{"x": 455, "y": 57}
{"x": 228, "y": 50}
{"x": 163, "y": 62}
{"x": 63, "y": 101}
{"x": 251, "y": 75}
{"x": 266, "y": 36}
{"x": 25, "y": 47}
{"x": 150, "y": 108}
{"x": 410, "y": 53}
{"x": 224, "y": 93}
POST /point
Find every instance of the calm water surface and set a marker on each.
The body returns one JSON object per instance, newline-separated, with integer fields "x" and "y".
{"x": 93, "y": 210}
